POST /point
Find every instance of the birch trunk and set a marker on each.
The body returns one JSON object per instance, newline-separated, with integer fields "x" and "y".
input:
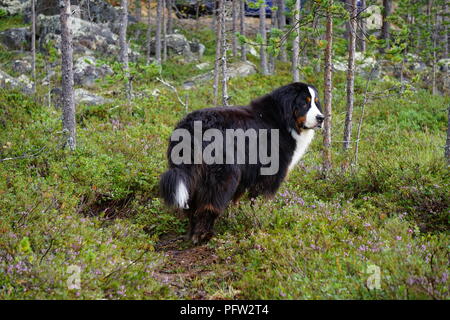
{"x": 159, "y": 13}
{"x": 33, "y": 44}
{"x": 219, "y": 9}
{"x": 67, "y": 96}
{"x": 234, "y": 43}
{"x": 123, "y": 55}
{"x": 447, "y": 144}
{"x": 149, "y": 31}
{"x": 262, "y": 31}
{"x": 328, "y": 85}
{"x": 350, "y": 74}
{"x": 164, "y": 32}
{"x": 282, "y": 25}
{"x": 224, "y": 57}
{"x": 296, "y": 43}
{"x": 169, "y": 17}
{"x": 242, "y": 30}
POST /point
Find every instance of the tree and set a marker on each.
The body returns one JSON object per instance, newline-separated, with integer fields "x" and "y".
{"x": 159, "y": 16}
{"x": 350, "y": 74}
{"x": 123, "y": 45}
{"x": 218, "y": 56}
{"x": 234, "y": 41}
{"x": 281, "y": 13}
{"x": 67, "y": 96}
{"x": 362, "y": 27}
{"x": 386, "y": 26}
{"x": 447, "y": 144}
{"x": 169, "y": 17}
{"x": 262, "y": 32}
{"x": 138, "y": 9}
{"x": 33, "y": 43}
{"x": 164, "y": 31}
{"x": 149, "y": 31}
{"x": 296, "y": 42}
{"x": 328, "y": 86}
{"x": 242, "y": 29}
{"x": 225, "y": 96}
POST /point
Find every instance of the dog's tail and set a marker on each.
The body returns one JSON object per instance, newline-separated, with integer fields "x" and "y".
{"x": 174, "y": 187}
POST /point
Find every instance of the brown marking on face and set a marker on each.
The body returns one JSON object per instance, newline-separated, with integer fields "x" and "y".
{"x": 316, "y": 99}
{"x": 299, "y": 121}
{"x": 308, "y": 99}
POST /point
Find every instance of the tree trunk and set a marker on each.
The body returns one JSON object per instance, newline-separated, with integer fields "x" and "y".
{"x": 234, "y": 43}
{"x": 242, "y": 30}
{"x": 362, "y": 28}
{"x": 350, "y": 75}
{"x": 169, "y": 17}
{"x": 328, "y": 86}
{"x": 123, "y": 55}
{"x": 447, "y": 145}
{"x": 159, "y": 13}
{"x": 149, "y": 31}
{"x": 282, "y": 25}
{"x": 164, "y": 32}
{"x": 33, "y": 43}
{"x": 273, "y": 24}
{"x": 224, "y": 57}
{"x": 67, "y": 97}
{"x": 138, "y": 10}
{"x": 219, "y": 9}
{"x": 262, "y": 31}
{"x": 386, "y": 26}
{"x": 296, "y": 42}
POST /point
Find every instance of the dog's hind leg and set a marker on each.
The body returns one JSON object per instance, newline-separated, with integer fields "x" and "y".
{"x": 212, "y": 201}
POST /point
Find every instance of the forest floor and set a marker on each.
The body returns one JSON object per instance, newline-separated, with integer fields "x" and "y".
{"x": 377, "y": 229}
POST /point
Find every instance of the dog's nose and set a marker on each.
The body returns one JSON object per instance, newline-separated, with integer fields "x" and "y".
{"x": 320, "y": 118}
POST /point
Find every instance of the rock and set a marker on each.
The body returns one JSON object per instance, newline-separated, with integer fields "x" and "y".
{"x": 237, "y": 69}
{"x": 13, "y": 7}
{"x": 203, "y": 66}
{"x": 86, "y": 71}
{"x": 22, "y": 66}
{"x": 88, "y": 37}
{"x": 22, "y": 83}
{"x": 179, "y": 45}
{"x": 197, "y": 48}
{"x": 339, "y": 66}
{"x": 16, "y": 38}
{"x": 83, "y": 96}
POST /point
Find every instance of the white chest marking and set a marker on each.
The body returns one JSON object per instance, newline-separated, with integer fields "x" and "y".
{"x": 303, "y": 140}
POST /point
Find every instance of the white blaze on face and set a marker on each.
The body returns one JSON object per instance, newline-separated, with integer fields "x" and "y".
{"x": 313, "y": 112}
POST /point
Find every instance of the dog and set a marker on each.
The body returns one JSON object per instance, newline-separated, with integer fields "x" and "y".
{"x": 203, "y": 189}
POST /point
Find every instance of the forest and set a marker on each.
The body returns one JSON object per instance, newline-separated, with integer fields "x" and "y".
{"x": 91, "y": 91}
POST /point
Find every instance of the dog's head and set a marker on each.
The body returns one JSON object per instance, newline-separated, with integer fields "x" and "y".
{"x": 299, "y": 106}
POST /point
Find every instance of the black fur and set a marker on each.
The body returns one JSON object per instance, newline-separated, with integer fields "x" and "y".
{"x": 212, "y": 187}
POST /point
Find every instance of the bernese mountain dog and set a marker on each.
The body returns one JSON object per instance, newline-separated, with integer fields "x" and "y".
{"x": 203, "y": 189}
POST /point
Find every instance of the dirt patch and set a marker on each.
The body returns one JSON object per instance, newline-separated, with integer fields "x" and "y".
{"x": 184, "y": 263}
{"x": 107, "y": 208}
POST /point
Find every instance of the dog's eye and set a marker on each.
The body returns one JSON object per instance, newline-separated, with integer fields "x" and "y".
{"x": 316, "y": 100}
{"x": 308, "y": 99}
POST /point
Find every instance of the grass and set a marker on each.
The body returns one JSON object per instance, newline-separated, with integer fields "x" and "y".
{"x": 97, "y": 209}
